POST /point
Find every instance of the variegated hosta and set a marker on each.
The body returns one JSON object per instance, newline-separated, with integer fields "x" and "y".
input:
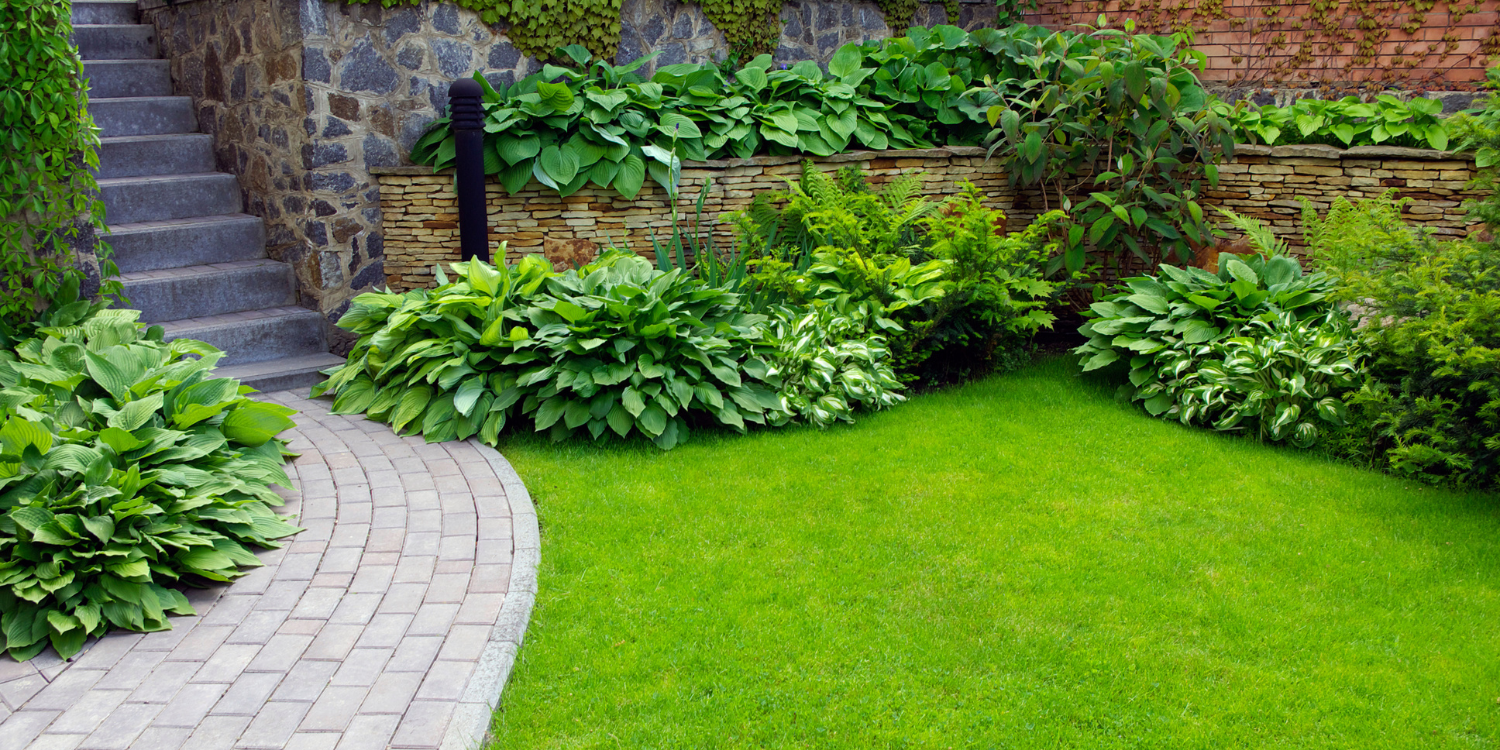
{"x": 614, "y": 347}
{"x": 1186, "y": 306}
{"x": 125, "y": 467}
{"x": 1281, "y": 377}
{"x": 827, "y": 362}
{"x": 1181, "y": 331}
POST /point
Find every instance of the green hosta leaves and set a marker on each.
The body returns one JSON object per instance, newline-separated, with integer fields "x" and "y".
{"x": 560, "y": 124}
{"x": 252, "y": 423}
{"x": 560, "y": 164}
{"x": 631, "y": 176}
{"x": 1254, "y": 346}
{"x": 1345, "y": 122}
{"x": 616, "y": 347}
{"x": 148, "y": 471}
{"x": 518, "y": 149}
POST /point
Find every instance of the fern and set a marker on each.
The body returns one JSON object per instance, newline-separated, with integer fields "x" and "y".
{"x": 1261, "y": 237}
{"x": 841, "y": 210}
{"x": 1360, "y": 237}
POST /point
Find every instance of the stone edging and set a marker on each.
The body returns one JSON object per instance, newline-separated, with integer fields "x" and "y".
{"x": 470, "y": 725}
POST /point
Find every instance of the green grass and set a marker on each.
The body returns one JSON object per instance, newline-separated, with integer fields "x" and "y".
{"x": 1022, "y": 562}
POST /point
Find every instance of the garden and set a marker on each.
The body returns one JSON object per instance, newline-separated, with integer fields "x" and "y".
{"x": 883, "y": 468}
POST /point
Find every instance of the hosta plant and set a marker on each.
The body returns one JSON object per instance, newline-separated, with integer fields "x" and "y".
{"x": 1345, "y": 122}
{"x": 1281, "y": 377}
{"x": 1190, "y": 336}
{"x": 126, "y": 469}
{"x": 827, "y": 361}
{"x": 567, "y": 126}
{"x": 615, "y": 347}
{"x": 1187, "y": 306}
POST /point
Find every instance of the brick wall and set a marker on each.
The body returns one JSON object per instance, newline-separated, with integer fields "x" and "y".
{"x": 421, "y": 219}
{"x": 1262, "y": 43}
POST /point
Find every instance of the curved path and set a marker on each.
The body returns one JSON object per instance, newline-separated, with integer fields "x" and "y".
{"x": 391, "y": 622}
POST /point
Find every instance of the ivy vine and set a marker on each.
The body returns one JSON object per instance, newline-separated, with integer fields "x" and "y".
{"x": 751, "y": 27}
{"x": 538, "y": 29}
{"x": 47, "y": 147}
{"x": 899, "y": 13}
{"x": 1290, "y": 41}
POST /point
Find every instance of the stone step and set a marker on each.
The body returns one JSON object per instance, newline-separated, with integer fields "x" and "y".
{"x": 152, "y": 245}
{"x": 143, "y": 115}
{"x": 128, "y": 200}
{"x": 256, "y": 335}
{"x": 121, "y": 12}
{"x": 284, "y": 374}
{"x": 116, "y": 41}
{"x": 115, "y": 78}
{"x": 203, "y": 291}
{"x": 145, "y": 155}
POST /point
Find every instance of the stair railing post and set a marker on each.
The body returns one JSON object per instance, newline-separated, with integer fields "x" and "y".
{"x": 466, "y": 110}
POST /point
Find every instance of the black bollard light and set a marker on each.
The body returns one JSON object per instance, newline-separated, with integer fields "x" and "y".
{"x": 466, "y": 110}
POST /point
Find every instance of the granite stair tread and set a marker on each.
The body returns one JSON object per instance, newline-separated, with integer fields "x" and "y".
{"x": 286, "y": 373}
{"x": 190, "y": 258}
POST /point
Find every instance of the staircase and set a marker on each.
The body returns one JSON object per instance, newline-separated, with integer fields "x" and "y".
{"x": 190, "y": 259}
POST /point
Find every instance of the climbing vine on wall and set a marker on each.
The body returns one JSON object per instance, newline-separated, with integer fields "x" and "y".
{"x": 1405, "y": 42}
{"x": 47, "y": 144}
{"x": 539, "y": 27}
{"x": 899, "y": 13}
{"x": 751, "y": 27}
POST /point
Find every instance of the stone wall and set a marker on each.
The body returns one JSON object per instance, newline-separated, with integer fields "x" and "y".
{"x": 305, "y": 97}
{"x": 810, "y": 29}
{"x": 421, "y": 218}
{"x": 1271, "y": 183}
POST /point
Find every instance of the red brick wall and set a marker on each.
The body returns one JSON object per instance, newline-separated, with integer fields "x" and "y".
{"x": 1258, "y": 43}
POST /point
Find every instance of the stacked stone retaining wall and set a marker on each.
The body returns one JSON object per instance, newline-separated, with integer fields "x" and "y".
{"x": 421, "y": 218}
{"x": 1271, "y": 184}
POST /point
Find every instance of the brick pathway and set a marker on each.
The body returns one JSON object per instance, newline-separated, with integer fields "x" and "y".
{"x": 392, "y": 621}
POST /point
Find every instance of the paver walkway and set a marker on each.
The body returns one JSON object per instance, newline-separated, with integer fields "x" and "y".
{"x": 392, "y": 621}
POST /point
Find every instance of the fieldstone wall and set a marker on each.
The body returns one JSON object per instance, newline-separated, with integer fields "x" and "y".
{"x": 304, "y": 98}
{"x": 421, "y": 216}
{"x": 810, "y": 29}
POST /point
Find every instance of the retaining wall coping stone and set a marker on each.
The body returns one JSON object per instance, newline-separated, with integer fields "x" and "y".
{"x": 942, "y": 152}
{"x": 1324, "y": 151}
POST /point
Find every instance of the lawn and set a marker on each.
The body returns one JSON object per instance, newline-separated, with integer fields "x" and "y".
{"x": 1021, "y": 562}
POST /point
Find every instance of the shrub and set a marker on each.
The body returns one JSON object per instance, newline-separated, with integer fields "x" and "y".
{"x": 996, "y": 296}
{"x": 1429, "y": 314}
{"x": 613, "y": 347}
{"x": 957, "y": 287}
{"x": 125, "y": 467}
{"x": 1117, "y": 131}
{"x": 1256, "y": 345}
